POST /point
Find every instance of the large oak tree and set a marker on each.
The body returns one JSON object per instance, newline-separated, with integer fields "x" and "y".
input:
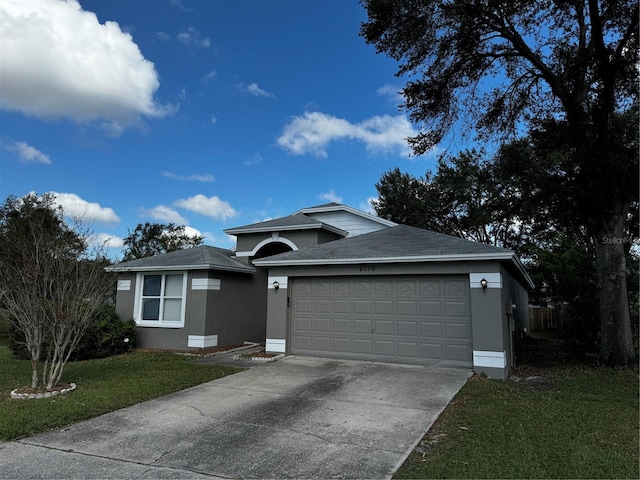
{"x": 494, "y": 65}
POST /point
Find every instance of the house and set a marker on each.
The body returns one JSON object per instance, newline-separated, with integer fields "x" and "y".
{"x": 333, "y": 281}
{"x": 198, "y": 297}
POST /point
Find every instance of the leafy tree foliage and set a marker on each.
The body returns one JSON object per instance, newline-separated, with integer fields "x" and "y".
{"x": 494, "y": 64}
{"x": 50, "y": 284}
{"x": 151, "y": 239}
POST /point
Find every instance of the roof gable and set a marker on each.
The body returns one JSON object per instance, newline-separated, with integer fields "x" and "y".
{"x": 292, "y": 222}
{"x": 354, "y": 221}
{"x": 340, "y": 219}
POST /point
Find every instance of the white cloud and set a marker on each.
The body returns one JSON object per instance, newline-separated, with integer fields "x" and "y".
{"x": 330, "y": 196}
{"x": 204, "y": 177}
{"x": 394, "y": 94}
{"x": 365, "y": 206}
{"x": 178, "y": 4}
{"x": 74, "y": 206}
{"x": 209, "y": 206}
{"x": 210, "y": 76}
{"x": 107, "y": 240}
{"x": 213, "y": 120}
{"x": 256, "y": 91}
{"x": 191, "y": 36}
{"x": 313, "y": 131}
{"x": 29, "y": 154}
{"x": 164, "y": 214}
{"x": 58, "y": 60}
{"x": 163, "y": 36}
{"x": 192, "y": 232}
{"x": 255, "y": 159}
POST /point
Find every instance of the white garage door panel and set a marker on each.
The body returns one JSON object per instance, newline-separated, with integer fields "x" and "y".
{"x": 423, "y": 320}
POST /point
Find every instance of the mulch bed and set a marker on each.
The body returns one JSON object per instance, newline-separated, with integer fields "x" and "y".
{"x": 260, "y": 354}
{"x": 197, "y": 352}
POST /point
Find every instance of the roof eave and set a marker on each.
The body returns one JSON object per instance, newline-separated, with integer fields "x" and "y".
{"x": 407, "y": 259}
{"x": 413, "y": 259}
{"x": 172, "y": 268}
{"x": 313, "y": 226}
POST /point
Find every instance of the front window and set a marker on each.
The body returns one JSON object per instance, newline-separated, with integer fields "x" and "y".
{"x": 162, "y": 299}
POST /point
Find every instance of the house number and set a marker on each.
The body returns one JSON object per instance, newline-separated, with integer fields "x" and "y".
{"x": 367, "y": 268}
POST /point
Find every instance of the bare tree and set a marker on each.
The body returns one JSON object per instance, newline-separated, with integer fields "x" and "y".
{"x": 50, "y": 283}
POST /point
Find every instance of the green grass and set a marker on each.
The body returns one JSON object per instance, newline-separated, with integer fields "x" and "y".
{"x": 572, "y": 421}
{"x": 103, "y": 386}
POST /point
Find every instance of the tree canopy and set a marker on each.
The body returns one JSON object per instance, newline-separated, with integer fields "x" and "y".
{"x": 50, "y": 284}
{"x": 497, "y": 66}
{"x": 150, "y": 239}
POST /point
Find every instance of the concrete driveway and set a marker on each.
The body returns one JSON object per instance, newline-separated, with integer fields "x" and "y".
{"x": 300, "y": 417}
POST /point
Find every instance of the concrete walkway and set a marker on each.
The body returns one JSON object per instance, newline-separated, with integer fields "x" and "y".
{"x": 299, "y": 417}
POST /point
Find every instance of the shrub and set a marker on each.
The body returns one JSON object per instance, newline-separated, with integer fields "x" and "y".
{"x": 107, "y": 336}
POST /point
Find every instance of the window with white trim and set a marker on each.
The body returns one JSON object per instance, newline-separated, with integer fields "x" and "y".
{"x": 161, "y": 299}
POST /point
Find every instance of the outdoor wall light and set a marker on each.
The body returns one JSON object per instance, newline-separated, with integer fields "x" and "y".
{"x": 484, "y": 283}
{"x": 276, "y": 285}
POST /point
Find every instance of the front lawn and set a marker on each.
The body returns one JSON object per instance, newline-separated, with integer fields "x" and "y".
{"x": 103, "y": 386}
{"x": 568, "y": 421}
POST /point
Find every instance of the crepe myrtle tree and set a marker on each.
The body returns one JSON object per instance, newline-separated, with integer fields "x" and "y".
{"x": 51, "y": 281}
{"x": 490, "y": 66}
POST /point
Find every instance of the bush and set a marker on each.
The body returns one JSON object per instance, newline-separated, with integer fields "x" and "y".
{"x": 107, "y": 336}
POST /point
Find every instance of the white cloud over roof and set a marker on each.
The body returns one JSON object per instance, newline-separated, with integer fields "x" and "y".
{"x": 164, "y": 214}
{"x": 74, "y": 206}
{"x": 58, "y": 60}
{"x": 330, "y": 196}
{"x": 212, "y": 207}
{"x": 312, "y": 132}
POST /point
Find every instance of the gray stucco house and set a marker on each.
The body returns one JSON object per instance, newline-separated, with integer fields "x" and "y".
{"x": 333, "y": 281}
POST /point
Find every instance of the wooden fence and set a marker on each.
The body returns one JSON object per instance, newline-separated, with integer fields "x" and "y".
{"x": 543, "y": 318}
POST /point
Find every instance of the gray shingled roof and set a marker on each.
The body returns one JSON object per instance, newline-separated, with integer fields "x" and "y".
{"x": 292, "y": 222}
{"x": 202, "y": 257}
{"x": 398, "y": 242}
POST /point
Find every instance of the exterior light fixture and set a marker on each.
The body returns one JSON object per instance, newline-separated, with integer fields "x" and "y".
{"x": 276, "y": 285}
{"x": 484, "y": 283}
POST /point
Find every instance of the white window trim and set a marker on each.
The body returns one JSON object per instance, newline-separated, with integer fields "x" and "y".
{"x": 137, "y": 308}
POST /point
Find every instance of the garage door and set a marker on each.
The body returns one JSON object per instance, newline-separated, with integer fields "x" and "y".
{"x": 414, "y": 319}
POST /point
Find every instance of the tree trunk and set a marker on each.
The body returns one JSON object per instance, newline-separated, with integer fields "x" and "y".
{"x": 616, "y": 348}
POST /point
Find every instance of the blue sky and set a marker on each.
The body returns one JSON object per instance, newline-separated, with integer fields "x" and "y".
{"x": 210, "y": 114}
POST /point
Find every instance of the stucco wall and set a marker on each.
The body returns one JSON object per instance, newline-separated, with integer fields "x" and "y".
{"x": 233, "y": 313}
{"x": 247, "y": 242}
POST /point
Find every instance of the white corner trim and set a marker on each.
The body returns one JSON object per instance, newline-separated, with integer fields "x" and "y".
{"x": 282, "y": 281}
{"x": 494, "y": 280}
{"x": 482, "y": 358}
{"x": 124, "y": 285}
{"x": 205, "y": 284}
{"x": 275, "y": 345}
{"x": 202, "y": 341}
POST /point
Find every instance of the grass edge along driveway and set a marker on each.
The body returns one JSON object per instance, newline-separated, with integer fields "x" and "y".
{"x": 561, "y": 422}
{"x": 104, "y": 385}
